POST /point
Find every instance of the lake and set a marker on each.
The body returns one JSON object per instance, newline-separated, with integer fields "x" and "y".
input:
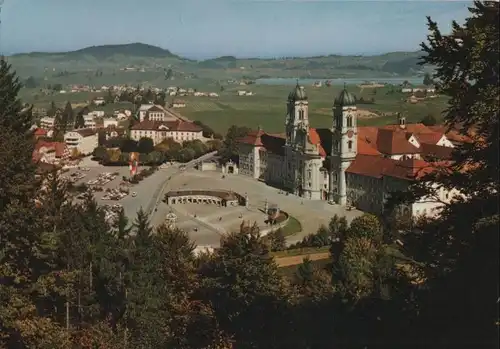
{"x": 414, "y": 80}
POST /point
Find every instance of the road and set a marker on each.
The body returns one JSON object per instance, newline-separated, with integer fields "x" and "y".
{"x": 158, "y": 195}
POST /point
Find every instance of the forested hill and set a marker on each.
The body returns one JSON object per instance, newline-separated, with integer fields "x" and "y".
{"x": 107, "y": 51}
{"x": 139, "y": 54}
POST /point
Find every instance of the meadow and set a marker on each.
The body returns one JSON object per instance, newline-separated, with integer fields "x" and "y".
{"x": 267, "y": 107}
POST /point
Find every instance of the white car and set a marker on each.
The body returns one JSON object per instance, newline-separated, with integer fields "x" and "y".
{"x": 134, "y": 194}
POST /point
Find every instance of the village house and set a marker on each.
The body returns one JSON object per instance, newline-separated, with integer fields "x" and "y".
{"x": 158, "y": 131}
{"x": 51, "y": 152}
{"x": 99, "y": 101}
{"x": 109, "y": 122}
{"x": 178, "y": 103}
{"x": 347, "y": 165}
{"x": 47, "y": 123}
{"x": 156, "y": 113}
{"x": 39, "y": 133}
{"x": 113, "y": 131}
{"x": 84, "y": 140}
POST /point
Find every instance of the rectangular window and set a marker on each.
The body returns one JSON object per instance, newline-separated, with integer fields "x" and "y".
{"x": 349, "y": 145}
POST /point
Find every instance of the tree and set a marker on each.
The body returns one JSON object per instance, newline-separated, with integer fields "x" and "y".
{"x": 463, "y": 242}
{"x": 428, "y": 80}
{"x": 241, "y": 281}
{"x": 68, "y": 116}
{"x": 277, "y": 239}
{"x": 79, "y": 120}
{"x": 25, "y": 260}
{"x": 129, "y": 146}
{"x": 229, "y": 149}
{"x": 30, "y": 82}
{"x": 366, "y": 226}
{"x": 169, "y": 74}
{"x": 145, "y": 145}
{"x": 429, "y": 120}
{"x": 100, "y": 152}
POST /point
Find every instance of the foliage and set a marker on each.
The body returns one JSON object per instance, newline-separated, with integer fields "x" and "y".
{"x": 241, "y": 281}
{"x": 229, "y": 150}
{"x": 277, "y": 240}
{"x": 145, "y": 145}
{"x": 428, "y": 80}
{"x": 429, "y": 120}
{"x": 461, "y": 247}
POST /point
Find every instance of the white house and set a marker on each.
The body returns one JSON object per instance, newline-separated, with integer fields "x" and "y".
{"x": 89, "y": 121}
{"x": 213, "y": 94}
{"x": 155, "y": 113}
{"x": 99, "y": 101}
{"x": 242, "y": 93}
{"x": 47, "y": 123}
{"x": 109, "y": 122}
{"x": 158, "y": 131}
{"x": 84, "y": 140}
{"x": 177, "y": 103}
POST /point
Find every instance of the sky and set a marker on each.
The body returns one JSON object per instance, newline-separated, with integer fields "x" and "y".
{"x": 209, "y": 28}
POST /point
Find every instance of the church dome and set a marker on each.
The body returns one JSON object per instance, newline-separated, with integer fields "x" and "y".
{"x": 299, "y": 94}
{"x": 345, "y": 98}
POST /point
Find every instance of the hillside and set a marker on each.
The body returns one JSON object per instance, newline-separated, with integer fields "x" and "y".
{"x": 151, "y": 61}
{"x": 106, "y": 51}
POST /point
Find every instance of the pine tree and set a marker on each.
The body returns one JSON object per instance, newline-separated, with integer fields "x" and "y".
{"x": 25, "y": 257}
{"x": 241, "y": 281}
{"x": 462, "y": 244}
{"x": 52, "y": 109}
{"x": 68, "y": 116}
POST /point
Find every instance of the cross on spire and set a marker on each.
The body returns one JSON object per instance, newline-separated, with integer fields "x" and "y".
{"x": 345, "y": 86}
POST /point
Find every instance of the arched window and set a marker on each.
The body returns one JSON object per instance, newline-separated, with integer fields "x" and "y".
{"x": 349, "y": 121}
{"x": 349, "y": 145}
{"x": 338, "y": 121}
{"x": 301, "y": 114}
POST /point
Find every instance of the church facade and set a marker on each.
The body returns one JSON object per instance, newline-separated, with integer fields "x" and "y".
{"x": 346, "y": 164}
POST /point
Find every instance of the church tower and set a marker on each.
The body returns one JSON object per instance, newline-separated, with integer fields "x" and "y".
{"x": 297, "y": 131}
{"x": 344, "y": 144}
{"x": 297, "y": 117}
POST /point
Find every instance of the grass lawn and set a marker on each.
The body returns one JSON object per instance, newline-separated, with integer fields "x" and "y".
{"x": 300, "y": 251}
{"x": 291, "y": 270}
{"x": 293, "y": 226}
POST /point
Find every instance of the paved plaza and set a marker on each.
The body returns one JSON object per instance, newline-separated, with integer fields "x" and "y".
{"x": 206, "y": 222}
{"x": 211, "y": 220}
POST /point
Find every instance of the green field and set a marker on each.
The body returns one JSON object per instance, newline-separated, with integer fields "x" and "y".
{"x": 267, "y": 108}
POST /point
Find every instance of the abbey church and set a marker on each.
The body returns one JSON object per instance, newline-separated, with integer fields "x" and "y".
{"x": 346, "y": 164}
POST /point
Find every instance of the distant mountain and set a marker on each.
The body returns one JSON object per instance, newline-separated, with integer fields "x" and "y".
{"x": 107, "y": 51}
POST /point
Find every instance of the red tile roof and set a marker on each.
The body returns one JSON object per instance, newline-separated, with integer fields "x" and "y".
{"x": 316, "y": 140}
{"x": 85, "y": 132}
{"x": 40, "y": 132}
{"x": 60, "y": 148}
{"x": 394, "y": 142}
{"x": 257, "y": 139}
{"x": 433, "y": 151}
{"x": 412, "y": 128}
{"x": 178, "y": 125}
{"x": 453, "y": 134}
{"x": 252, "y": 138}
{"x": 376, "y": 166}
{"x": 429, "y": 138}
